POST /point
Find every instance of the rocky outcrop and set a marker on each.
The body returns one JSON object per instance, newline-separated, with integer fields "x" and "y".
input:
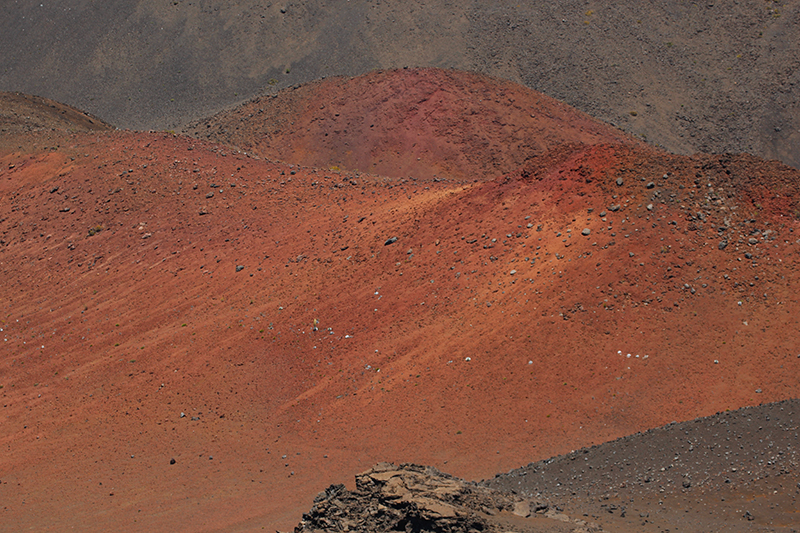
{"x": 405, "y": 498}
{"x": 415, "y": 498}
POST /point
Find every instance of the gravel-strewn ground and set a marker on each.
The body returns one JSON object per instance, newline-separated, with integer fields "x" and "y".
{"x": 734, "y": 471}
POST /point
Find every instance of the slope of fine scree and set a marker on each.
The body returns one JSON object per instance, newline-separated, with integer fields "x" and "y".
{"x": 737, "y": 469}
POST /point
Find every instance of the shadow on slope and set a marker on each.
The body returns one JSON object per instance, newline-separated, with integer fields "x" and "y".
{"x": 23, "y": 113}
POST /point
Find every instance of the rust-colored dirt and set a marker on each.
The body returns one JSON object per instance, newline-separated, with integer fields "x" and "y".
{"x": 420, "y": 123}
{"x": 492, "y": 332}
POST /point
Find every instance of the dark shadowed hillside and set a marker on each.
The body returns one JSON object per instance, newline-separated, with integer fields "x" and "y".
{"x": 690, "y": 76}
{"x": 22, "y": 113}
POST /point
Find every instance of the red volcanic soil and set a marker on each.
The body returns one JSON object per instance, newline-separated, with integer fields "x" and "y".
{"x": 419, "y": 123}
{"x": 201, "y": 340}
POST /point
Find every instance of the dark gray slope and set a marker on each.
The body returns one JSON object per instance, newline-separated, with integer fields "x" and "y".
{"x": 735, "y": 471}
{"x": 699, "y": 76}
{"x": 718, "y": 76}
{"x": 146, "y": 64}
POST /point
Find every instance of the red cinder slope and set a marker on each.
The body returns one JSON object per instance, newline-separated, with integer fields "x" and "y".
{"x": 419, "y": 123}
{"x": 491, "y": 333}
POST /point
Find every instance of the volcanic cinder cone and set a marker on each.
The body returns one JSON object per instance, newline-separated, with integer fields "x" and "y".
{"x": 199, "y": 339}
{"x": 422, "y": 123}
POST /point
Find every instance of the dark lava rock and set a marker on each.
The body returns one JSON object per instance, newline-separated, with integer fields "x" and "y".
{"x": 414, "y": 498}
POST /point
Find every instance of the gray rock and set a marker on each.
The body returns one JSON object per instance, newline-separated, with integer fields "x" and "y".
{"x": 586, "y": 231}
{"x": 722, "y": 244}
{"x": 239, "y": 268}
{"x": 390, "y": 240}
{"x": 619, "y": 181}
{"x": 650, "y": 185}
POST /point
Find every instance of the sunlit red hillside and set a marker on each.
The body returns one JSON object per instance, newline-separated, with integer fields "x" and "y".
{"x": 199, "y": 339}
